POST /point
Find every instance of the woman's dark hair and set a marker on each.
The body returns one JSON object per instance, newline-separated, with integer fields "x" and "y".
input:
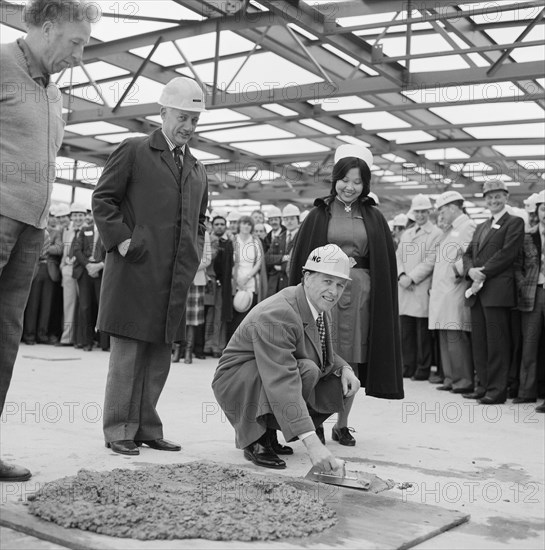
{"x": 245, "y": 219}
{"x": 342, "y": 167}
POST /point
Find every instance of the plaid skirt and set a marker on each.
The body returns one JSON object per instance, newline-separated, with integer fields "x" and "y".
{"x": 194, "y": 312}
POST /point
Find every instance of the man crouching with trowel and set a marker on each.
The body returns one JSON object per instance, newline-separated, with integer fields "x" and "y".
{"x": 279, "y": 369}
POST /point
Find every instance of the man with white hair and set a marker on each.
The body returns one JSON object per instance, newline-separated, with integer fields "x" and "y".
{"x": 150, "y": 209}
{"x": 32, "y": 133}
{"x": 416, "y": 255}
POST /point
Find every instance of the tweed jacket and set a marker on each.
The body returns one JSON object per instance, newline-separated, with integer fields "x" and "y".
{"x": 272, "y": 337}
{"x": 527, "y": 270}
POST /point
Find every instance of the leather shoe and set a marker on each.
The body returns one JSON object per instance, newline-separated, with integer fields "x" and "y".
{"x": 408, "y": 372}
{"x": 462, "y": 390}
{"x": 276, "y": 446}
{"x": 263, "y": 455}
{"x": 435, "y": 379}
{"x": 420, "y": 376}
{"x": 541, "y": 408}
{"x": 320, "y": 434}
{"x": 473, "y": 395}
{"x": 489, "y": 401}
{"x": 12, "y": 472}
{"x": 200, "y": 355}
{"x": 444, "y": 388}
{"x": 160, "y": 445}
{"x": 343, "y": 436}
{"x": 123, "y": 447}
{"x": 216, "y": 354}
{"x": 518, "y": 400}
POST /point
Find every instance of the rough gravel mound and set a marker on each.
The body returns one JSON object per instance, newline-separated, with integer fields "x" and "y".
{"x": 183, "y": 501}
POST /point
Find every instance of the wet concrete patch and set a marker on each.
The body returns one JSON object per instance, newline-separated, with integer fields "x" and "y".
{"x": 506, "y": 530}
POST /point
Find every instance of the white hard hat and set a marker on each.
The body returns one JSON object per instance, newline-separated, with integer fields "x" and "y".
{"x": 350, "y": 150}
{"x": 447, "y": 197}
{"x": 391, "y": 224}
{"x": 374, "y": 196}
{"x": 77, "y": 207}
{"x": 242, "y": 300}
{"x": 183, "y": 93}
{"x": 274, "y": 212}
{"x": 494, "y": 185}
{"x": 290, "y": 210}
{"x": 233, "y": 216}
{"x": 530, "y": 202}
{"x": 329, "y": 259}
{"x": 401, "y": 220}
{"x": 540, "y": 198}
{"x": 410, "y": 215}
{"x": 421, "y": 202}
{"x": 62, "y": 210}
{"x": 303, "y": 215}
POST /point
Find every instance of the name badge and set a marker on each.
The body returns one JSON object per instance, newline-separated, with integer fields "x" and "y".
{"x": 455, "y": 233}
{"x": 88, "y": 233}
{"x": 496, "y": 226}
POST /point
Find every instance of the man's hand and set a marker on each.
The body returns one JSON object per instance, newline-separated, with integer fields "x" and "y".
{"x": 320, "y": 455}
{"x": 405, "y": 281}
{"x": 350, "y": 382}
{"x": 94, "y": 269}
{"x": 124, "y": 247}
{"x": 476, "y": 274}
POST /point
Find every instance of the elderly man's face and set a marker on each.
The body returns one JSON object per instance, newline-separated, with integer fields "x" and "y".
{"x": 323, "y": 291}
{"x": 495, "y": 201}
{"x": 179, "y": 125}
{"x": 260, "y": 230}
{"x": 64, "y": 43}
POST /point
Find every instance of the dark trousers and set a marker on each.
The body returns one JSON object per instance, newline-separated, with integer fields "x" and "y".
{"x": 38, "y": 308}
{"x": 55, "y": 319}
{"x": 136, "y": 377}
{"x": 491, "y": 345}
{"x": 416, "y": 344}
{"x": 20, "y": 247}
{"x": 516, "y": 352}
{"x": 533, "y": 326}
{"x": 89, "y": 293}
{"x": 238, "y": 317}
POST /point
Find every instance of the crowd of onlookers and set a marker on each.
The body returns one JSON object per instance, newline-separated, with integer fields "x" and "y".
{"x": 245, "y": 260}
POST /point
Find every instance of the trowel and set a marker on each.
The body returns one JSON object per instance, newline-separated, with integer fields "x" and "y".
{"x": 342, "y": 478}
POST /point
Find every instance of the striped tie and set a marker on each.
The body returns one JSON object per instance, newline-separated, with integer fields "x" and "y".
{"x": 321, "y": 332}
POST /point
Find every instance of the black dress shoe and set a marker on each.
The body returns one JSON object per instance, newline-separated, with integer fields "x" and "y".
{"x": 420, "y": 375}
{"x": 473, "y": 395}
{"x": 216, "y": 354}
{"x": 200, "y": 355}
{"x": 462, "y": 390}
{"x": 276, "y": 446}
{"x": 123, "y": 447}
{"x": 540, "y": 408}
{"x": 28, "y": 342}
{"x": 435, "y": 379}
{"x": 343, "y": 436}
{"x": 408, "y": 372}
{"x": 263, "y": 455}
{"x": 12, "y": 472}
{"x": 489, "y": 401}
{"x": 320, "y": 434}
{"x": 518, "y": 400}
{"x": 88, "y": 348}
{"x": 444, "y": 388}
{"x": 160, "y": 445}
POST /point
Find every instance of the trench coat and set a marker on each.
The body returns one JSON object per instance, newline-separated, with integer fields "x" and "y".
{"x": 142, "y": 196}
{"x": 258, "y": 375}
{"x": 448, "y": 308}
{"x": 527, "y": 270}
{"x": 416, "y": 255}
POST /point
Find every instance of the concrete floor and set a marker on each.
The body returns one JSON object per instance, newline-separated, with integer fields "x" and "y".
{"x": 485, "y": 461}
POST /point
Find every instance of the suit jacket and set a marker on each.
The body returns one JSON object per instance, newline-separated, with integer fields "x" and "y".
{"x": 83, "y": 247}
{"x": 271, "y": 338}
{"x": 277, "y": 280}
{"x": 527, "y": 269}
{"x": 54, "y": 254}
{"x": 497, "y": 254}
{"x": 416, "y": 256}
{"x": 142, "y": 196}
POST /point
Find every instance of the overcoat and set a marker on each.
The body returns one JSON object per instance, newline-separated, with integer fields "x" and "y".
{"x": 416, "y": 255}
{"x": 448, "y": 308}
{"x": 527, "y": 270}
{"x": 383, "y": 377}
{"x": 258, "y": 375}
{"x": 276, "y": 280}
{"x": 497, "y": 253}
{"x": 142, "y": 196}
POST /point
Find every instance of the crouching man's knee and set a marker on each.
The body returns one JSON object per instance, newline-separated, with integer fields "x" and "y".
{"x": 310, "y": 374}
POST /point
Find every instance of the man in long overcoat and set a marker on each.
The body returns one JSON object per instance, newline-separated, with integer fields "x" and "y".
{"x": 279, "y": 369}
{"x": 149, "y": 206}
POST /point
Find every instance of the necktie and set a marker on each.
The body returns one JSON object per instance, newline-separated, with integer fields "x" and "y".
{"x": 288, "y": 239}
{"x": 486, "y": 228}
{"x": 177, "y": 151}
{"x": 321, "y": 331}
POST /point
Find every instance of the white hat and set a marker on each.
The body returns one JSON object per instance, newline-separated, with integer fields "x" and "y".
{"x": 274, "y": 212}
{"x": 530, "y": 202}
{"x": 374, "y": 196}
{"x": 410, "y": 215}
{"x": 540, "y": 198}
{"x": 401, "y": 220}
{"x": 233, "y": 216}
{"x": 290, "y": 210}
{"x": 447, "y": 197}
{"x": 494, "y": 185}
{"x": 183, "y": 93}
{"x": 62, "y": 210}
{"x": 242, "y": 300}
{"x": 77, "y": 207}
{"x": 349, "y": 150}
{"x": 329, "y": 259}
{"x": 420, "y": 202}
{"x": 303, "y": 215}
{"x": 207, "y": 214}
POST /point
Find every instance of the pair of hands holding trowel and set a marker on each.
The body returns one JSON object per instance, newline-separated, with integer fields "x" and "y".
{"x": 321, "y": 457}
